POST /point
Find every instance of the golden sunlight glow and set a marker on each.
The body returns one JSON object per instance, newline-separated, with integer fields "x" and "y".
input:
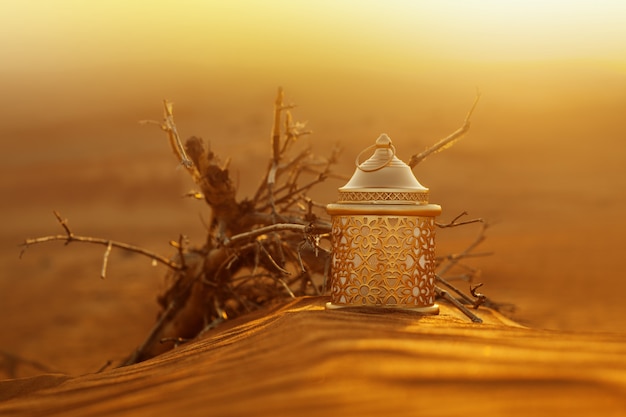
{"x": 66, "y": 51}
{"x": 260, "y": 34}
{"x": 504, "y": 30}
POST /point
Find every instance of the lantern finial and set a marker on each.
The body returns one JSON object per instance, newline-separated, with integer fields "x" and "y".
{"x": 383, "y": 141}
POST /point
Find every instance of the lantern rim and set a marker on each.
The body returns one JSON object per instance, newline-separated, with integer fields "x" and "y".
{"x": 426, "y": 210}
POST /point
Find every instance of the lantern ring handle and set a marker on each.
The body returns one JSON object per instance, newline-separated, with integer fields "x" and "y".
{"x": 376, "y": 168}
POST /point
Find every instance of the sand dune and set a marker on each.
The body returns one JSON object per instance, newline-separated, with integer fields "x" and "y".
{"x": 301, "y": 359}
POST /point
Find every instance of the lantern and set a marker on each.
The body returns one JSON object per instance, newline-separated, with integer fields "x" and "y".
{"x": 383, "y": 237}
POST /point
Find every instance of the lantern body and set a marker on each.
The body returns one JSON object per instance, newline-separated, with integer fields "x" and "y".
{"x": 383, "y": 238}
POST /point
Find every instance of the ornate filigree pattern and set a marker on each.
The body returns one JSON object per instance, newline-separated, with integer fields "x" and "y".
{"x": 363, "y": 196}
{"x": 383, "y": 261}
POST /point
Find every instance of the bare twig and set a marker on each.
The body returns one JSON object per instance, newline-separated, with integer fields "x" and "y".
{"x": 105, "y": 260}
{"x": 293, "y": 131}
{"x": 105, "y": 366}
{"x": 460, "y": 293}
{"x": 446, "y": 296}
{"x": 278, "y": 227}
{"x": 278, "y": 108}
{"x": 64, "y": 224}
{"x": 275, "y": 142}
{"x": 480, "y": 298}
{"x": 286, "y": 287}
{"x": 169, "y": 127}
{"x": 69, "y": 236}
{"x": 272, "y": 260}
{"x": 447, "y": 141}
{"x": 453, "y": 259}
{"x": 455, "y": 222}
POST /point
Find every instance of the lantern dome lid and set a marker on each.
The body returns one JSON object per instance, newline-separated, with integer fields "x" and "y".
{"x": 383, "y": 178}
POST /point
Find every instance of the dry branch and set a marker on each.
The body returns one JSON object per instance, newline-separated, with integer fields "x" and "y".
{"x": 454, "y": 222}
{"x": 453, "y": 259}
{"x": 69, "y": 237}
{"x": 172, "y": 132}
{"x": 236, "y": 239}
{"x": 105, "y": 261}
{"x": 447, "y": 141}
{"x": 446, "y": 296}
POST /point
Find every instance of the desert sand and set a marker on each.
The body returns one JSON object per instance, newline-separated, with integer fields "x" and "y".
{"x": 302, "y": 359}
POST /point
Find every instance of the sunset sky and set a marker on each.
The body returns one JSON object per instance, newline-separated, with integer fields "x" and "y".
{"x": 69, "y": 34}
{"x": 63, "y": 53}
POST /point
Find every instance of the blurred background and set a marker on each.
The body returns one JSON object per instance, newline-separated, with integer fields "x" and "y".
{"x": 543, "y": 162}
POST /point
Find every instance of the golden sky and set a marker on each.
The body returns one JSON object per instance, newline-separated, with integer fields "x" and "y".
{"x": 60, "y": 34}
{"x": 61, "y": 54}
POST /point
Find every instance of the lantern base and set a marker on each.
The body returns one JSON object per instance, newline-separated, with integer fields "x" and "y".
{"x": 433, "y": 309}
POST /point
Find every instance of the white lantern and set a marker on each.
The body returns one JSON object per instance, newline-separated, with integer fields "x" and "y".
{"x": 383, "y": 237}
